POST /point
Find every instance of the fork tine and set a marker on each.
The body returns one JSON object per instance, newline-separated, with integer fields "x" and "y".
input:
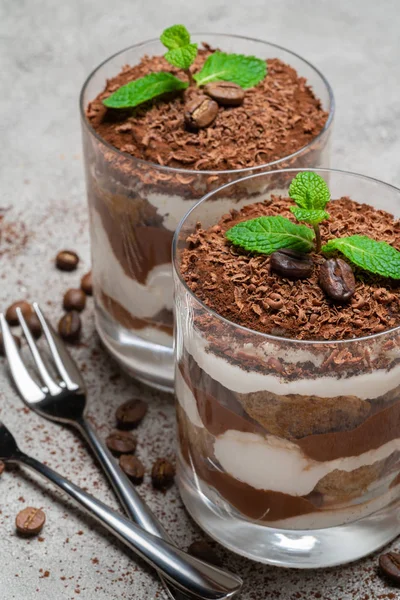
{"x": 65, "y": 364}
{"x": 47, "y": 379}
{"x": 24, "y": 383}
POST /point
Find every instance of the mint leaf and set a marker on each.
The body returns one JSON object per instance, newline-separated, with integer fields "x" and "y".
{"x": 175, "y": 37}
{"x": 313, "y": 217}
{"x": 182, "y": 57}
{"x": 245, "y": 71}
{"x": 143, "y": 89}
{"x": 267, "y": 234}
{"x": 309, "y": 190}
{"x": 181, "y": 52}
{"x": 377, "y": 257}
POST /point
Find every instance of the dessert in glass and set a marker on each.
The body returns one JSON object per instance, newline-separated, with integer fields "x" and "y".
{"x": 288, "y": 374}
{"x": 145, "y": 169}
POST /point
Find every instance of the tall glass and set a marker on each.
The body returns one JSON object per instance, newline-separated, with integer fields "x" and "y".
{"x": 289, "y": 450}
{"x": 136, "y": 205}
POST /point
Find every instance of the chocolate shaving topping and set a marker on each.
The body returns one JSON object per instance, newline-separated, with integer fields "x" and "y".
{"x": 277, "y": 117}
{"x": 242, "y": 287}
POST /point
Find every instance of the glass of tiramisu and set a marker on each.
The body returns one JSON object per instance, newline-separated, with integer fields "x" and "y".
{"x": 288, "y": 366}
{"x": 147, "y": 166}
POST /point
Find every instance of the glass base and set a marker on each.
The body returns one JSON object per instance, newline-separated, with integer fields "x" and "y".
{"x": 152, "y": 364}
{"x": 301, "y": 549}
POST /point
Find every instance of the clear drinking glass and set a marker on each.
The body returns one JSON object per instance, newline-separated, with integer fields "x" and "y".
{"x": 135, "y": 206}
{"x": 288, "y": 449}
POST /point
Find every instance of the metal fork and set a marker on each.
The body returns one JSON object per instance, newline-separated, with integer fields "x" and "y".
{"x": 64, "y": 401}
{"x": 182, "y": 570}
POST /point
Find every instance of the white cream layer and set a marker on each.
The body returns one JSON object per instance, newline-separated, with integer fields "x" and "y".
{"x": 271, "y": 463}
{"x": 141, "y": 300}
{"x": 365, "y": 386}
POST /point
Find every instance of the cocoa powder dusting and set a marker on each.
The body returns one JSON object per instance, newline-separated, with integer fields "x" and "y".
{"x": 278, "y": 117}
{"x": 241, "y": 286}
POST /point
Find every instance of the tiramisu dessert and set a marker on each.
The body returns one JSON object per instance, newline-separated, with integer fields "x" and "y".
{"x": 288, "y": 358}
{"x": 161, "y": 133}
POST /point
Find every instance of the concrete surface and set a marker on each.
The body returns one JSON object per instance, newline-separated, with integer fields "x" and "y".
{"x": 47, "y": 49}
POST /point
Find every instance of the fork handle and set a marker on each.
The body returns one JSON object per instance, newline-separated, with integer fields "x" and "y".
{"x": 124, "y": 490}
{"x": 184, "y": 571}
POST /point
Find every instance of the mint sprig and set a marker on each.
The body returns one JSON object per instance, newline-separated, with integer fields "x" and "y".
{"x": 268, "y": 234}
{"x": 368, "y": 254}
{"x": 181, "y": 52}
{"x": 146, "y": 88}
{"x": 246, "y": 71}
{"x": 311, "y": 194}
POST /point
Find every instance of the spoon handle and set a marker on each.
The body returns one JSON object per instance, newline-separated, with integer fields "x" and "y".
{"x": 187, "y": 573}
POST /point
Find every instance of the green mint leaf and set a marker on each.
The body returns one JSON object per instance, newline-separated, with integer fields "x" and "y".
{"x": 181, "y": 53}
{"x": 143, "y": 89}
{"x": 267, "y": 234}
{"x": 175, "y": 37}
{"x": 309, "y": 190}
{"x": 313, "y": 217}
{"x": 246, "y": 71}
{"x": 377, "y": 257}
{"x": 182, "y": 57}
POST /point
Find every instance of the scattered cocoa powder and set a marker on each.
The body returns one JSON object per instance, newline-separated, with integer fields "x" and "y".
{"x": 278, "y": 117}
{"x": 241, "y": 286}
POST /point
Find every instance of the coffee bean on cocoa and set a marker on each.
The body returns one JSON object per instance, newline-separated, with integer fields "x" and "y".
{"x": 67, "y": 260}
{"x": 87, "y": 284}
{"x": 389, "y": 564}
{"x": 70, "y": 326}
{"x": 16, "y": 340}
{"x": 30, "y": 521}
{"x": 121, "y": 442}
{"x": 203, "y": 551}
{"x": 74, "y": 299}
{"x": 34, "y": 325}
{"x": 291, "y": 264}
{"x": 225, "y": 93}
{"x": 11, "y": 312}
{"x": 132, "y": 467}
{"x": 337, "y": 279}
{"x": 130, "y": 413}
{"x": 200, "y": 112}
{"x": 162, "y": 474}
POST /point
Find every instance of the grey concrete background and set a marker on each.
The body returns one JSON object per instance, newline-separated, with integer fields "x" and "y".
{"x": 47, "y": 49}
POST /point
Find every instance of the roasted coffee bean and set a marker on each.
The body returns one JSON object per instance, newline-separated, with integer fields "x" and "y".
{"x": 337, "y": 279}
{"x": 74, "y": 299}
{"x": 16, "y": 340}
{"x": 203, "y": 551}
{"x": 200, "y": 112}
{"x": 162, "y": 474}
{"x": 87, "y": 284}
{"x": 225, "y": 93}
{"x": 132, "y": 467}
{"x": 121, "y": 442}
{"x": 130, "y": 413}
{"x": 70, "y": 326}
{"x": 30, "y": 521}
{"x": 292, "y": 264}
{"x": 34, "y": 325}
{"x": 11, "y": 312}
{"x": 389, "y": 564}
{"x": 67, "y": 260}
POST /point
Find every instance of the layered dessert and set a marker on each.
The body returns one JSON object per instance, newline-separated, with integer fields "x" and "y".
{"x": 147, "y": 166}
{"x": 288, "y": 393}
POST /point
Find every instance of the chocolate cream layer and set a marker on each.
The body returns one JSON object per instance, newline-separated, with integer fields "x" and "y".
{"x": 222, "y": 415}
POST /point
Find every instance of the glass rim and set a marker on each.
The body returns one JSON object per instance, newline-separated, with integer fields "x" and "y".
{"x": 247, "y": 330}
{"x": 175, "y": 170}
